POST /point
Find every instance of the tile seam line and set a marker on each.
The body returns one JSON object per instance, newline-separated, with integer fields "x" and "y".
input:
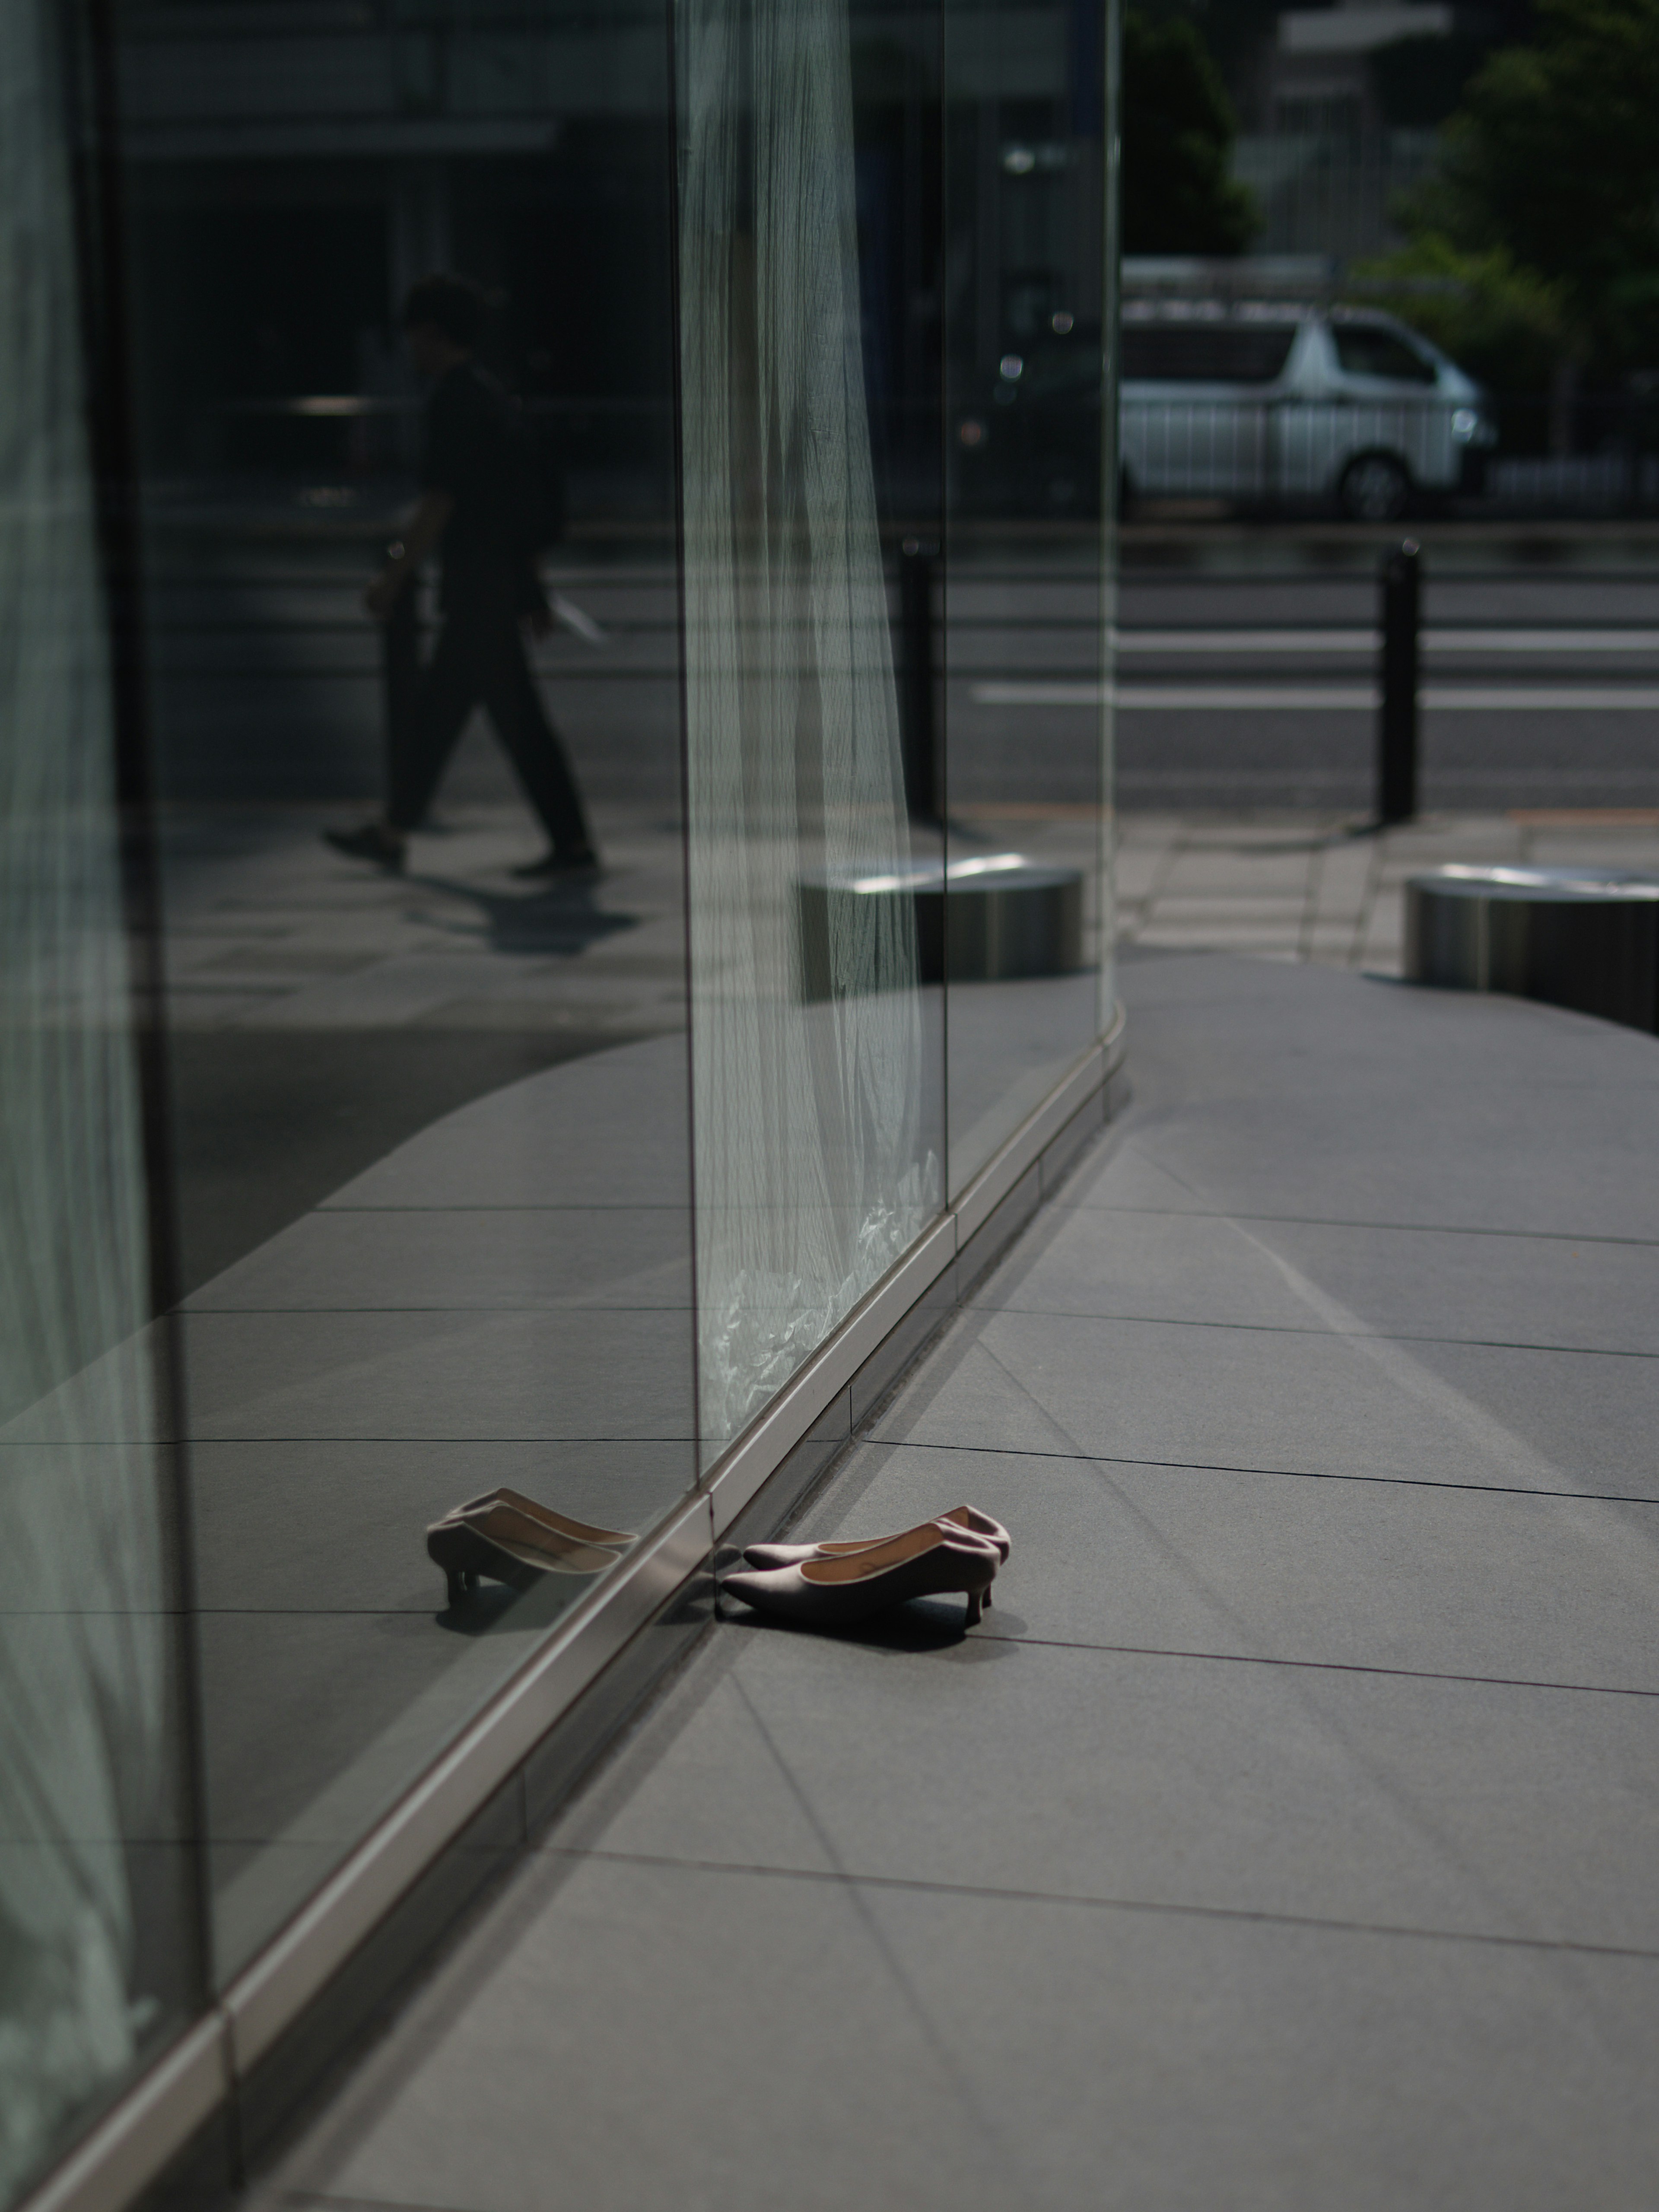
{"x": 194, "y": 1312}
{"x": 1290, "y": 1473}
{"x": 1178, "y": 1320}
{"x": 1320, "y": 1666}
{"x": 328, "y": 1437}
{"x": 379, "y": 2204}
{"x": 1063, "y": 1205}
{"x": 313, "y": 1612}
{"x": 990, "y": 1892}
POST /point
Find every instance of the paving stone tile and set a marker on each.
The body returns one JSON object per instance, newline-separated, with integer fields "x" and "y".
{"x": 607, "y": 2060}
{"x": 1501, "y": 1117}
{"x": 1469, "y": 1808}
{"x": 1576, "y": 1422}
{"x": 1584, "y": 1293}
{"x": 961, "y": 2052}
{"x": 1365, "y": 1574}
{"x": 830, "y": 1923}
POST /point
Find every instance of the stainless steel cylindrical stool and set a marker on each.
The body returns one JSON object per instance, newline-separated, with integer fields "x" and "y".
{"x": 985, "y": 920}
{"x": 1583, "y": 937}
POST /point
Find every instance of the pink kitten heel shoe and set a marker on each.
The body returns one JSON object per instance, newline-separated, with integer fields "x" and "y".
{"x": 967, "y": 1517}
{"x": 840, "y": 1591}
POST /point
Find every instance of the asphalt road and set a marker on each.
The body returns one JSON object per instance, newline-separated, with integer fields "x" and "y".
{"x": 1540, "y": 689}
{"x": 1247, "y": 685}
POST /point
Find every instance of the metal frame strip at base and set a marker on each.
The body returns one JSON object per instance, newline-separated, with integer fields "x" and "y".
{"x": 157, "y": 2116}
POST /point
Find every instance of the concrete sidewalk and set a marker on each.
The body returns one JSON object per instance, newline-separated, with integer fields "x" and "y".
{"x": 1285, "y": 1837}
{"x": 1303, "y": 886}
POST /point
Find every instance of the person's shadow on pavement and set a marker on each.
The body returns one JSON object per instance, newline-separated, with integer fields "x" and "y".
{"x": 563, "y": 919}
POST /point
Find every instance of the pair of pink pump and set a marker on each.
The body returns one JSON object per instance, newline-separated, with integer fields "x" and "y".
{"x": 840, "y": 1583}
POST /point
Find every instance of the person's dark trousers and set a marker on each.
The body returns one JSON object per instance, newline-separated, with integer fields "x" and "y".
{"x": 479, "y": 660}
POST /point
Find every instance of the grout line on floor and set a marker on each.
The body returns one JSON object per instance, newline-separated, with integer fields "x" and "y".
{"x": 330, "y": 1207}
{"x": 567, "y": 1306}
{"x": 992, "y": 1893}
{"x": 1320, "y": 1666}
{"x": 1334, "y": 1335}
{"x": 1292, "y": 1474}
{"x": 319, "y": 1437}
{"x": 367, "y": 2203}
{"x": 1063, "y": 1205}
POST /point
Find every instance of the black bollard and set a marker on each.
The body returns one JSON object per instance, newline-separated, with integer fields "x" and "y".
{"x": 400, "y": 662}
{"x": 918, "y": 717}
{"x": 1396, "y": 730}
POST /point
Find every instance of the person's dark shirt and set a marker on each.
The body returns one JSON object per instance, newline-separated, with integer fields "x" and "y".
{"x": 475, "y": 452}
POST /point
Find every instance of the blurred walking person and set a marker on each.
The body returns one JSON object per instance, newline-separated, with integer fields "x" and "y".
{"x": 475, "y": 513}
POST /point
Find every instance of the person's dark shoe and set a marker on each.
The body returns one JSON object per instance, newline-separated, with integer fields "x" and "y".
{"x": 374, "y": 841}
{"x": 559, "y": 866}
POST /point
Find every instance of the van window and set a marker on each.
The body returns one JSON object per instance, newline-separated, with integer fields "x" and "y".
{"x": 1368, "y": 350}
{"x": 1205, "y": 353}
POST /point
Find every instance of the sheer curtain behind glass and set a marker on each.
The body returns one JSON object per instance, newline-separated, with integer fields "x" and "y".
{"x": 812, "y": 1174}
{"x": 83, "y": 1629}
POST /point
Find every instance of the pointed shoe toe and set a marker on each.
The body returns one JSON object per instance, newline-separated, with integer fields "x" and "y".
{"x": 839, "y": 1592}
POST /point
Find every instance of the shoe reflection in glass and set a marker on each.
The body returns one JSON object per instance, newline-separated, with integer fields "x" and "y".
{"x": 839, "y": 1592}
{"x": 506, "y": 1537}
{"x": 960, "y": 1517}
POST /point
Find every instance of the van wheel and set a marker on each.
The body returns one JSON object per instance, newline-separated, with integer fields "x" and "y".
{"x": 1375, "y": 488}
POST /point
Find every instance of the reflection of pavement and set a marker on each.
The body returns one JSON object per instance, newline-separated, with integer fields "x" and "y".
{"x": 270, "y": 642}
{"x": 1010, "y": 1042}
{"x": 322, "y": 1011}
{"x": 505, "y": 1298}
{"x": 435, "y": 1189}
{"x": 266, "y": 927}
{"x": 1299, "y": 887}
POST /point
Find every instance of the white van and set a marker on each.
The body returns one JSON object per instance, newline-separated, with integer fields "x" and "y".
{"x": 1266, "y": 402}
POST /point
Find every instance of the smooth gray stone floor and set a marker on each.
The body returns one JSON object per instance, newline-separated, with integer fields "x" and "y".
{"x": 1284, "y": 1839}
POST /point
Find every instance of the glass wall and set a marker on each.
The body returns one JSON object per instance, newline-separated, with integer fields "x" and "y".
{"x": 610, "y": 890}
{"x": 819, "y": 1153}
{"x": 428, "y": 1110}
{"x": 1025, "y": 611}
{"x": 99, "y": 1960}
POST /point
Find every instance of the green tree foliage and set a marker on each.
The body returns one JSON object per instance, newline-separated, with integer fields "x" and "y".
{"x": 1504, "y": 323}
{"x": 1552, "y": 160}
{"x": 1178, "y": 130}
{"x": 1419, "y": 81}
